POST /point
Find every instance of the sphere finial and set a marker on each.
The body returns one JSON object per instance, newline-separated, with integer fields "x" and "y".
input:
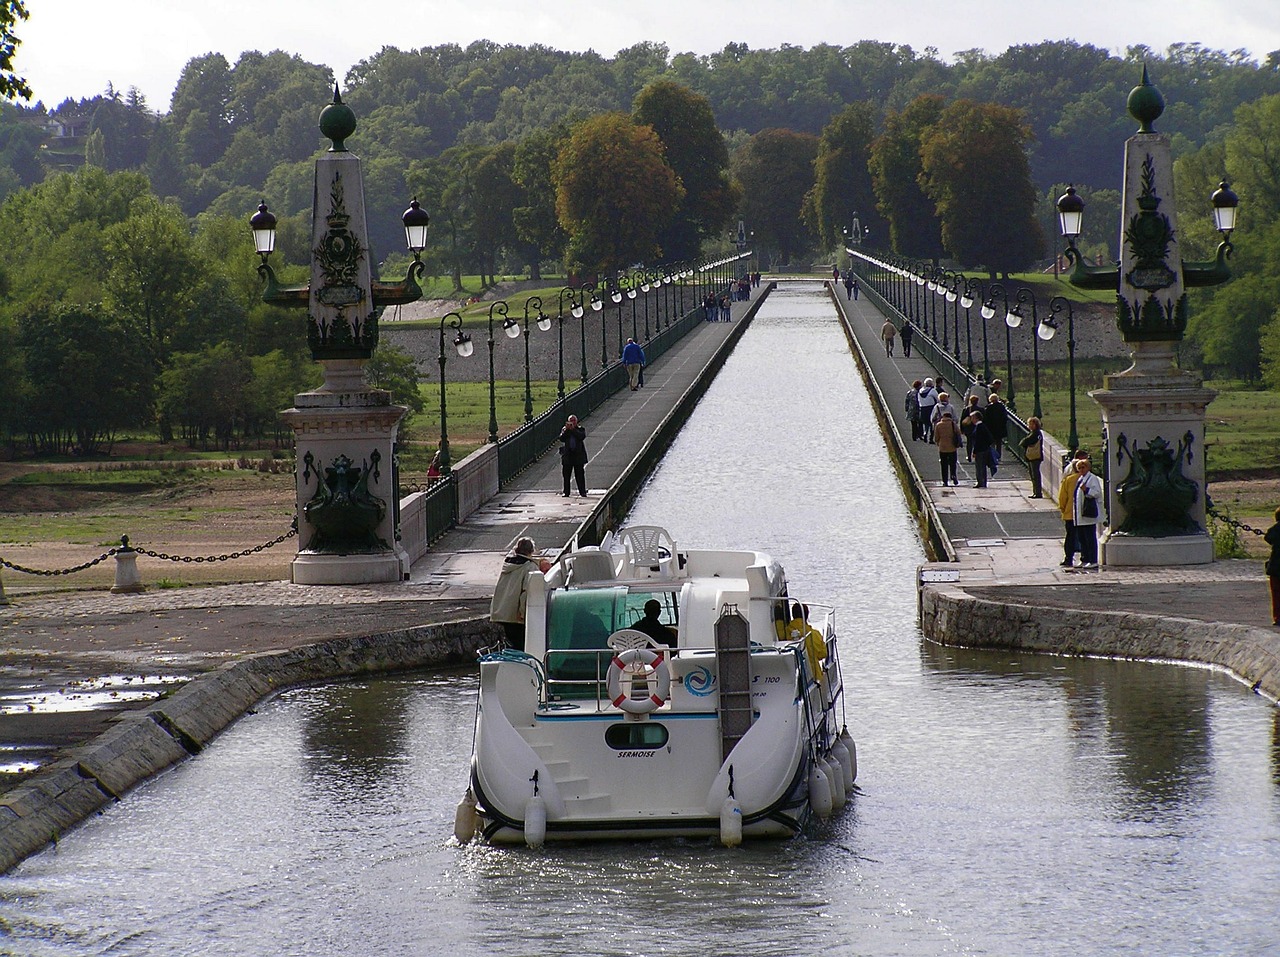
{"x": 337, "y": 122}
{"x": 1145, "y": 103}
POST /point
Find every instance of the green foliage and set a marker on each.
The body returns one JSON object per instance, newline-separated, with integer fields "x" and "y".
{"x": 974, "y": 167}
{"x": 87, "y": 375}
{"x": 1226, "y": 536}
{"x": 914, "y": 227}
{"x": 203, "y": 394}
{"x": 842, "y": 185}
{"x": 11, "y": 85}
{"x": 615, "y": 193}
{"x": 696, "y": 151}
{"x": 393, "y": 369}
{"x": 775, "y": 170}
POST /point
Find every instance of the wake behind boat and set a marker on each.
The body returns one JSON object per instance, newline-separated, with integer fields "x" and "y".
{"x": 662, "y": 692}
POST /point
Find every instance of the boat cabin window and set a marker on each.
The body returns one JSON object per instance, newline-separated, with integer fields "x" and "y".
{"x": 635, "y": 736}
{"x": 661, "y": 625}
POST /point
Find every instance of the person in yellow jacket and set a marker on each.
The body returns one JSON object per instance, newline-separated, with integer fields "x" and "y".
{"x": 797, "y": 629}
{"x": 1067, "y": 509}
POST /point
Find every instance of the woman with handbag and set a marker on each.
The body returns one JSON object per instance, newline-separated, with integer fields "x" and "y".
{"x": 1033, "y": 449}
{"x": 1087, "y": 497}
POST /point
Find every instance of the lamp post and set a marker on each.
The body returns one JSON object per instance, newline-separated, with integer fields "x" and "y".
{"x": 951, "y": 294}
{"x": 1013, "y": 319}
{"x": 989, "y": 312}
{"x": 498, "y": 308}
{"x": 966, "y": 300}
{"x": 1153, "y": 412}
{"x": 560, "y": 325}
{"x": 1047, "y": 330}
{"x": 629, "y": 290}
{"x": 513, "y": 330}
{"x": 579, "y": 312}
{"x": 461, "y": 342}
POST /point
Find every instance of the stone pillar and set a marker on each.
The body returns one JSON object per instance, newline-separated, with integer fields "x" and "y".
{"x": 1153, "y": 412}
{"x": 345, "y": 431}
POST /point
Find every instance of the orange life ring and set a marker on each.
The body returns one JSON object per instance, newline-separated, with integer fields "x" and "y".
{"x": 626, "y": 662}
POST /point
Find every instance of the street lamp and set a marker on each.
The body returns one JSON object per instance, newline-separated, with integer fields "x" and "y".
{"x": 499, "y": 307}
{"x": 513, "y": 330}
{"x": 966, "y": 300}
{"x": 616, "y": 297}
{"x": 461, "y": 342}
{"x": 988, "y": 312}
{"x": 1048, "y": 329}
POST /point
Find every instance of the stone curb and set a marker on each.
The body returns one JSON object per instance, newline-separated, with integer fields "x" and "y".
{"x": 40, "y": 810}
{"x": 951, "y": 616}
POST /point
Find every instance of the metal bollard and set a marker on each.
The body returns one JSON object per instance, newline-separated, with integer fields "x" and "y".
{"x": 128, "y": 582}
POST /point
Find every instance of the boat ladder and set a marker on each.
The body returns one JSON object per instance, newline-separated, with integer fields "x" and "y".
{"x": 733, "y": 666}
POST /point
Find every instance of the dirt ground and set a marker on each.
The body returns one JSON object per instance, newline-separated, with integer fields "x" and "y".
{"x": 205, "y": 515}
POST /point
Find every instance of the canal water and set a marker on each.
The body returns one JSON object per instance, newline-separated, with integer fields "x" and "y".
{"x": 1007, "y": 803}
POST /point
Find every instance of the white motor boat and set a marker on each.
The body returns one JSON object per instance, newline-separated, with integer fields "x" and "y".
{"x": 711, "y": 714}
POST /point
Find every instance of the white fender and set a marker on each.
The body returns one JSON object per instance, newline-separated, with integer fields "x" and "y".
{"x": 819, "y": 791}
{"x": 835, "y": 777}
{"x": 464, "y": 818}
{"x": 535, "y": 821}
{"x": 841, "y": 754}
{"x": 847, "y": 740}
{"x": 730, "y": 823}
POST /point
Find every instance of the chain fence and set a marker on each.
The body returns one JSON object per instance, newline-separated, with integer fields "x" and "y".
{"x": 1226, "y": 519}
{"x": 124, "y": 546}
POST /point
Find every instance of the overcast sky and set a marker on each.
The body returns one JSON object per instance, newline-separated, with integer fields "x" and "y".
{"x": 76, "y": 47}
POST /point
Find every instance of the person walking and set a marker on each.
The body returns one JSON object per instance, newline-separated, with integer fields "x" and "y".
{"x": 1087, "y": 500}
{"x": 996, "y": 415}
{"x": 966, "y": 423}
{"x": 1272, "y": 567}
{"x": 1067, "y": 509}
{"x": 927, "y": 400}
{"x": 913, "y": 409}
{"x": 946, "y": 434}
{"x": 888, "y": 332}
{"x": 633, "y": 359}
{"x": 510, "y": 594}
{"x": 855, "y": 289}
{"x": 573, "y": 455}
{"x": 848, "y": 286}
{"x": 908, "y": 331}
{"x": 1033, "y": 449}
{"x": 981, "y": 441}
{"x": 944, "y": 407}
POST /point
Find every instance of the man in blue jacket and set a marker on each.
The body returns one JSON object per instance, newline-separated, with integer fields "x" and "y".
{"x": 633, "y": 359}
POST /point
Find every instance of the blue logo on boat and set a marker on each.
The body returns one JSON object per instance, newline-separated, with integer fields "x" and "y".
{"x": 700, "y": 682}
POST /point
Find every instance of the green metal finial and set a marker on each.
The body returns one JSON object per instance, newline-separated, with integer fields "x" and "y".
{"x": 337, "y": 122}
{"x": 1145, "y": 103}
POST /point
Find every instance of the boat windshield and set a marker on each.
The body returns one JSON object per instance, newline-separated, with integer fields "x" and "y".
{"x": 585, "y": 618}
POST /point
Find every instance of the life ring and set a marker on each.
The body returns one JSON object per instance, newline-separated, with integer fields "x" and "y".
{"x": 625, "y": 661}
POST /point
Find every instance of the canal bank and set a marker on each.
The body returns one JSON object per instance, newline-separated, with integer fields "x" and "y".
{"x": 227, "y": 648}
{"x": 997, "y": 581}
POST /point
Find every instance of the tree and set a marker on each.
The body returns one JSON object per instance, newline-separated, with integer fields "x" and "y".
{"x": 974, "y": 167}
{"x": 200, "y": 111}
{"x": 914, "y": 227}
{"x": 87, "y": 376}
{"x": 614, "y": 193}
{"x": 535, "y": 222}
{"x": 842, "y": 185}
{"x": 696, "y": 151}
{"x": 495, "y": 185}
{"x": 151, "y": 270}
{"x": 204, "y": 393}
{"x": 391, "y": 368}
{"x": 775, "y": 170}
{"x": 11, "y": 85}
